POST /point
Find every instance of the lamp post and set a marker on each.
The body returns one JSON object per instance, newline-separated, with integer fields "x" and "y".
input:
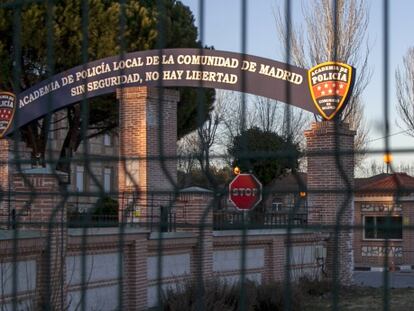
{"x": 236, "y": 170}
{"x": 387, "y": 160}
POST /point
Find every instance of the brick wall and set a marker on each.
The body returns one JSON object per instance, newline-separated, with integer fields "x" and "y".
{"x": 101, "y": 156}
{"x": 38, "y": 206}
{"x": 4, "y": 183}
{"x": 24, "y": 259}
{"x": 170, "y": 256}
{"x": 194, "y": 213}
{"x": 136, "y": 282}
{"x": 330, "y": 157}
{"x": 9, "y": 153}
{"x": 38, "y": 199}
{"x": 372, "y": 252}
{"x": 103, "y": 262}
{"x": 408, "y": 232}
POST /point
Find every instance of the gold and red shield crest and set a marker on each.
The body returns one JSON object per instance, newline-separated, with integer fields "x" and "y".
{"x": 330, "y": 84}
{"x": 7, "y": 109}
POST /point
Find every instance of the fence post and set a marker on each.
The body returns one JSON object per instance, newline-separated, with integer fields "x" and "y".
{"x": 330, "y": 148}
{"x": 141, "y": 173}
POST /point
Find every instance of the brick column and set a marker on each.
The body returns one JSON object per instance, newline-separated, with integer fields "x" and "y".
{"x": 5, "y": 185}
{"x": 7, "y": 168}
{"x": 146, "y": 177}
{"x": 39, "y": 207}
{"x": 135, "y": 282}
{"x": 194, "y": 213}
{"x": 278, "y": 256}
{"x": 330, "y": 191}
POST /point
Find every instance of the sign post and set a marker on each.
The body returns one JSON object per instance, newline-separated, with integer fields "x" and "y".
{"x": 245, "y": 192}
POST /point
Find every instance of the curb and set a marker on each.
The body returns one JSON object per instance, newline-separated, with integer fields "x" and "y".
{"x": 402, "y": 268}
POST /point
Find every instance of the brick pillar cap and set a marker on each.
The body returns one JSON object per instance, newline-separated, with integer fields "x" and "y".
{"x": 195, "y": 193}
{"x": 328, "y": 128}
{"x": 42, "y": 171}
{"x": 171, "y": 235}
{"x": 196, "y": 190}
{"x": 47, "y": 171}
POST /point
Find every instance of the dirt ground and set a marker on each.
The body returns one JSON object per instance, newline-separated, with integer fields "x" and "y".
{"x": 363, "y": 298}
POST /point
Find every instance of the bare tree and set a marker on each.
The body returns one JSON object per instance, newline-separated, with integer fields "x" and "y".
{"x": 236, "y": 115}
{"x": 371, "y": 169}
{"x": 187, "y": 149}
{"x": 405, "y": 91}
{"x": 227, "y": 120}
{"x": 267, "y": 114}
{"x": 264, "y": 113}
{"x": 207, "y": 133}
{"x": 378, "y": 167}
{"x": 406, "y": 168}
{"x": 334, "y": 30}
{"x": 194, "y": 149}
{"x": 270, "y": 116}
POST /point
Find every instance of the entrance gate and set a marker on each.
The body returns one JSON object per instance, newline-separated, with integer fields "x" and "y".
{"x": 67, "y": 273}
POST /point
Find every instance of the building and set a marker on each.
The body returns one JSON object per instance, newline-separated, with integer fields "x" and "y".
{"x": 95, "y": 175}
{"x": 383, "y": 211}
{"x": 384, "y": 207}
{"x": 286, "y": 192}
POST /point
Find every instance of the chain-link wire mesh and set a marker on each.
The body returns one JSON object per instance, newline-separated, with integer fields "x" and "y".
{"x": 100, "y": 212}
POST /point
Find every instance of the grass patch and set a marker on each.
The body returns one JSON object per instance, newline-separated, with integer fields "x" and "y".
{"x": 306, "y": 295}
{"x": 363, "y": 298}
{"x": 220, "y": 296}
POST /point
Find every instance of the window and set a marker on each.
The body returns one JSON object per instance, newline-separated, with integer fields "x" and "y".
{"x": 107, "y": 140}
{"x": 80, "y": 178}
{"x": 276, "y": 206}
{"x": 381, "y": 227}
{"x": 107, "y": 179}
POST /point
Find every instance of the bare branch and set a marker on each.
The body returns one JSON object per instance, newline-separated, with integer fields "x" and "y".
{"x": 334, "y": 31}
{"x": 405, "y": 91}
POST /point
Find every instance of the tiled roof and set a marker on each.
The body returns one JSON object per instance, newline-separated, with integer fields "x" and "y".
{"x": 289, "y": 183}
{"x": 385, "y": 183}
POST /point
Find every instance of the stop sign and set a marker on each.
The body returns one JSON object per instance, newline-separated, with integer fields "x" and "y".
{"x": 245, "y": 191}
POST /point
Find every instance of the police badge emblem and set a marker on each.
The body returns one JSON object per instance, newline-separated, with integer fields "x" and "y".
{"x": 7, "y": 108}
{"x": 330, "y": 85}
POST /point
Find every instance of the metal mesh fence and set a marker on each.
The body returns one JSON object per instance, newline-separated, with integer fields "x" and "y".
{"x": 98, "y": 209}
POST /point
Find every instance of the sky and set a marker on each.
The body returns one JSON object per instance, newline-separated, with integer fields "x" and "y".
{"x": 222, "y": 28}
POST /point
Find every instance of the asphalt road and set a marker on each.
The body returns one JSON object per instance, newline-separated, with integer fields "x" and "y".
{"x": 376, "y": 279}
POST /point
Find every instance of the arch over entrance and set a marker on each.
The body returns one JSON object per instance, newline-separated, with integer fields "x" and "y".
{"x": 136, "y": 76}
{"x": 169, "y": 68}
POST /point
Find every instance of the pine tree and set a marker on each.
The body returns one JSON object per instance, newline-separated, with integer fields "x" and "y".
{"x": 50, "y": 39}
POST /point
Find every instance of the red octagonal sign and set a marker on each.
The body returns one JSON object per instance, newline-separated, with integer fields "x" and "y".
{"x": 245, "y": 191}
